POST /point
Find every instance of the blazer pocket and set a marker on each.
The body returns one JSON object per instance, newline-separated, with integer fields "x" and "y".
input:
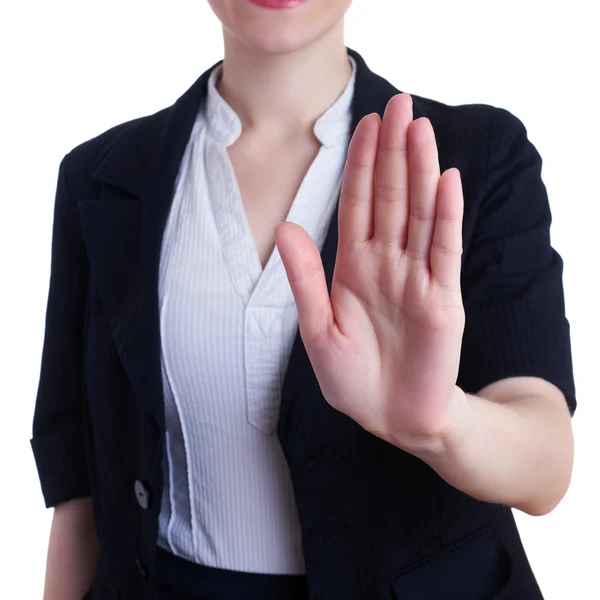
{"x": 475, "y": 567}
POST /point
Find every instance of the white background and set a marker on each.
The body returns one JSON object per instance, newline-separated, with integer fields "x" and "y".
{"x": 71, "y": 69}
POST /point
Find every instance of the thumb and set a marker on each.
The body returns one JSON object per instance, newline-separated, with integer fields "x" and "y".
{"x": 304, "y": 268}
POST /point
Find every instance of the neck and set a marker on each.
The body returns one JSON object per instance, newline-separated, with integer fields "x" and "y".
{"x": 283, "y": 95}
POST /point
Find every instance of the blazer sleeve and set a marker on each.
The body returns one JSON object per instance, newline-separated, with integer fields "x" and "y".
{"x": 58, "y": 441}
{"x": 512, "y": 277}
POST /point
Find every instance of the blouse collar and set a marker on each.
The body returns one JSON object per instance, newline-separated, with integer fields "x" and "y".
{"x": 331, "y": 127}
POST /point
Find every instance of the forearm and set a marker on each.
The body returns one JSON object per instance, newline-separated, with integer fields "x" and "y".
{"x": 72, "y": 552}
{"x": 514, "y": 447}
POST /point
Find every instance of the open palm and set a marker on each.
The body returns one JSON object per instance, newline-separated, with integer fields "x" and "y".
{"x": 385, "y": 346}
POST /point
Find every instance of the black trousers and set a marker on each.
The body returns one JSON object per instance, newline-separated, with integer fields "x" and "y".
{"x": 178, "y": 579}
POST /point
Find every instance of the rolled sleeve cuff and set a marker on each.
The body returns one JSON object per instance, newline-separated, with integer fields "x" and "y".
{"x": 61, "y": 465}
{"x": 516, "y": 340}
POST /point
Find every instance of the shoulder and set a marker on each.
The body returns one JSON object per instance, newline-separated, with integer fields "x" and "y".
{"x": 467, "y": 126}
{"x": 473, "y": 121}
{"x": 485, "y": 142}
{"x": 141, "y": 133}
{"x": 466, "y": 134}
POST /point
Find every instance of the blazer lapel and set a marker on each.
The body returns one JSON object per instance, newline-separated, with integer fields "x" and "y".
{"x": 123, "y": 228}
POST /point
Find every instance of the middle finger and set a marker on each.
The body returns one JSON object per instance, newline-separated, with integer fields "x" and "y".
{"x": 391, "y": 184}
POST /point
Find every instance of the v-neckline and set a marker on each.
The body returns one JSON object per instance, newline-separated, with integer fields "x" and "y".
{"x": 251, "y": 281}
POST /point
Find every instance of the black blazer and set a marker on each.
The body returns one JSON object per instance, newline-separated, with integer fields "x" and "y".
{"x": 377, "y": 523}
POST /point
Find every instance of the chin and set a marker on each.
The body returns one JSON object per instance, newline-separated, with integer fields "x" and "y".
{"x": 280, "y": 31}
{"x": 279, "y": 41}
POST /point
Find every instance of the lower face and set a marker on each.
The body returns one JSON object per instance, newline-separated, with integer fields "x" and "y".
{"x": 279, "y": 26}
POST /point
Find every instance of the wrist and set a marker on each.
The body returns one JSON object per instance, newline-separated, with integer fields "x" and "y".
{"x": 446, "y": 442}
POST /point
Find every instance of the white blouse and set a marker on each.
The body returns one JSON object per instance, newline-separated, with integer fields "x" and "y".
{"x": 227, "y": 330}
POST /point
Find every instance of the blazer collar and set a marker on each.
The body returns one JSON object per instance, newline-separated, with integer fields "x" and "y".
{"x": 155, "y": 147}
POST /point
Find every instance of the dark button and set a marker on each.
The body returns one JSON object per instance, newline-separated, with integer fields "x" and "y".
{"x": 142, "y": 495}
{"x": 142, "y": 569}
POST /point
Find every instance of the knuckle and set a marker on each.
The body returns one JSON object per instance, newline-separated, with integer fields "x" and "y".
{"x": 389, "y": 192}
{"x": 421, "y": 213}
{"x": 445, "y": 250}
{"x": 352, "y": 197}
{"x": 415, "y": 255}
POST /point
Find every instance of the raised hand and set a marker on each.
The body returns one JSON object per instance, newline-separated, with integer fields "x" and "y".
{"x": 385, "y": 346}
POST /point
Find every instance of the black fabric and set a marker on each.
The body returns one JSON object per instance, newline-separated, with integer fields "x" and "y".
{"x": 178, "y": 579}
{"x": 367, "y": 509}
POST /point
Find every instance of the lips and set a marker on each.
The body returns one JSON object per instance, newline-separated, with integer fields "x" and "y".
{"x": 278, "y": 4}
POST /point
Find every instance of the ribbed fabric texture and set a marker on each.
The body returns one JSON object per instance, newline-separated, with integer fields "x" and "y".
{"x": 227, "y": 330}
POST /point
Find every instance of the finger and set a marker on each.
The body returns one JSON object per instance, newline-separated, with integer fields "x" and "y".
{"x": 446, "y": 248}
{"x": 304, "y": 269}
{"x": 424, "y": 175}
{"x": 391, "y": 173}
{"x": 355, "y": 219}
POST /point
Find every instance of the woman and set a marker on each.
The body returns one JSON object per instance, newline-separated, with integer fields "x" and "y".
{"x": 223, "y": 415}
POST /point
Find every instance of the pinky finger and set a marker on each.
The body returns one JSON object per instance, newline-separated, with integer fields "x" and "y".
{"x": 446, "y": 245}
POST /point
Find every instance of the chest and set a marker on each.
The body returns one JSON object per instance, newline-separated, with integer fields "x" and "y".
{"x": 268, "y": 180}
